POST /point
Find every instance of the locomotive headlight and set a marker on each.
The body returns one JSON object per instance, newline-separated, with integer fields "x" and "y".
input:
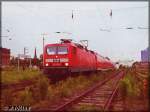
{"x": 66, "y": 64}
{"x": 46, "y": 64}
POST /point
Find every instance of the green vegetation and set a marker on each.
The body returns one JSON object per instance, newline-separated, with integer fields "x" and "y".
{"x": 14, "y": 76}
{"x": 133, "y": 90}
{"x": 40, "y": 89}
{"x": 67, "y": 88}
{"x": 131, "y": 86}
{"x": 71, "y": 85}
{"x": 43, "y": 93}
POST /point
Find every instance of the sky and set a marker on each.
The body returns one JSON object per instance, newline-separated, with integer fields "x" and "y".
{"x": 24, "y": 23}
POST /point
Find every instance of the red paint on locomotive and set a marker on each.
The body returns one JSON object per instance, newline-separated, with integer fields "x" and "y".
{"x": 72, "y": 57}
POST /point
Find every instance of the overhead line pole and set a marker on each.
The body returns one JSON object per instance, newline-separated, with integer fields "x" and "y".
{"x": 43, "y": 50}
{"x": 43, "y": 47}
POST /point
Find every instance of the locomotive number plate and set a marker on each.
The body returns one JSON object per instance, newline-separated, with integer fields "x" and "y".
{"x": 56, "y": 60}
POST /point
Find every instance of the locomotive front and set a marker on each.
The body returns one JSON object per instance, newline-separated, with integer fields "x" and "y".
{"x": 56, "y": 59}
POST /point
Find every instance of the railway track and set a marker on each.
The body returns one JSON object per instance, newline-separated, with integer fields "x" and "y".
{"x": 101, "y": 96}
{"x": 18, "y": 86}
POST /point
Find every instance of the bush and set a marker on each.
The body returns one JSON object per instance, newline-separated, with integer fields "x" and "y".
{"x": 130, "y": 85}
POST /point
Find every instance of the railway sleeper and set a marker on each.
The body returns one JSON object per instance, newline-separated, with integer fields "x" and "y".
{"x": 95, "y": 99}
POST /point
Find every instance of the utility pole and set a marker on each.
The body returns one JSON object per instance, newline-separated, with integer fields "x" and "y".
{"x": 43, "y": 46}
{"x": 18, "y": 62}
{"x": 25, "y": 50}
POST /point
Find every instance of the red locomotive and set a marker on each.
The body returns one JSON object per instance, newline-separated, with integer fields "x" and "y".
{"x": 71, "y": 57}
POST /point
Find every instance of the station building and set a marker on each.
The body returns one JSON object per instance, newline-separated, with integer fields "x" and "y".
{"x": 4, "y": 56}
{"x": 145, "y": 55}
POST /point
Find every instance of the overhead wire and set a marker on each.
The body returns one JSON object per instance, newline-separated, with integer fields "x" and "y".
{"x": 128, "y": 28}
{"x": 102, "y": 16}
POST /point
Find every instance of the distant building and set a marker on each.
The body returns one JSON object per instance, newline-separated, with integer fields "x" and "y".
{"x": 145, "y": 55}
{"x": 4, "y": 56}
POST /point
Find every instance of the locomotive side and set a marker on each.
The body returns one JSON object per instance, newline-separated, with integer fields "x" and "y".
{"x": 69, "y": 57}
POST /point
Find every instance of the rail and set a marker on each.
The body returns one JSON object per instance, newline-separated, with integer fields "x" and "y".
{"x": 76, "y": 99}
{"x": 18, "y": 86}
{"x": 109, "y": 101}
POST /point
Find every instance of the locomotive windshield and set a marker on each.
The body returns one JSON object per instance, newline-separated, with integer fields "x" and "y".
{"x": 57, "y": 50}
{"x": 51, "y": 50}
{"x": 62, "y": 50}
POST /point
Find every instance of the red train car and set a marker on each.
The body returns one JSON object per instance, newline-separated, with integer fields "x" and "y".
{"x": 68, "y": 57}
{"x": 104, "y": 63}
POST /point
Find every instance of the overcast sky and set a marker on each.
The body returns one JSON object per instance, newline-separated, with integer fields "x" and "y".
{"x": 25, "y": 22}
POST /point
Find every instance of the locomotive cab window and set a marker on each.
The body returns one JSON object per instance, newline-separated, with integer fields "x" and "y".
{"x": 51, "y": 50}
{"x": 62, "y": 50}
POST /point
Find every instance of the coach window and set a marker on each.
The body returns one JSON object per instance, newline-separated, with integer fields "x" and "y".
{"x": 51, "y": 50}
{"x": 62, "y": 50}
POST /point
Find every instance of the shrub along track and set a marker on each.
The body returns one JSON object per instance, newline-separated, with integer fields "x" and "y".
{"x": 101, "y": 95}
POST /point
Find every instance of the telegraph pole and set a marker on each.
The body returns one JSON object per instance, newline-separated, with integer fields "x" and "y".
{"x": 43, "y": 50}
{"x": 43, "y": 46}
{"x": 24, "y": 51}
{"x": 18, "y": 62}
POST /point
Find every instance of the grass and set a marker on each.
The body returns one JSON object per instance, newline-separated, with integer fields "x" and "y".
{"x": 132, "y": 85}
{"x": 132, "y": 90}
{"x": 44, "y": 93}
{"x": 67, "y": 88}
{"x": 14, "y": 76}
{"x": 40, "y": 90}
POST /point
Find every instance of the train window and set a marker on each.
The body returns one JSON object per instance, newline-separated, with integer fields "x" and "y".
{"x": 51, "y": 50}
{"x": 62, "y": 50}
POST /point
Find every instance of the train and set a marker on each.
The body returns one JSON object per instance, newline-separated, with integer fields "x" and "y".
{"x": 68, "y": 57}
